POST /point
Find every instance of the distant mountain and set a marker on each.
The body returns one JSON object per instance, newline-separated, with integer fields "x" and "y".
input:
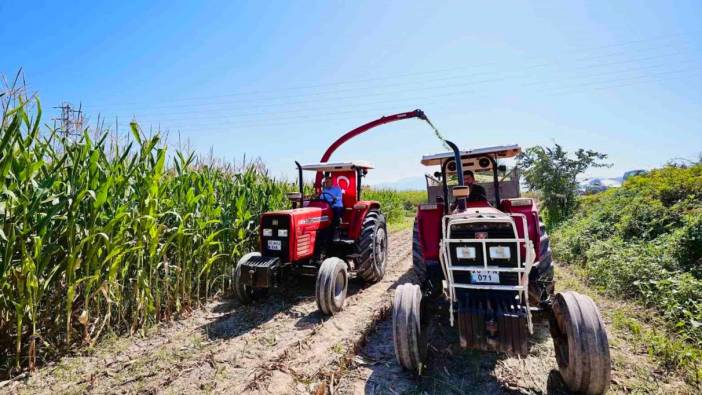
{"x": 404, "y": 184}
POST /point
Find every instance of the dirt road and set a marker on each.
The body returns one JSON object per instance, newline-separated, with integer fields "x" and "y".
{"x": 283, "y": 345}
{"x": 450, "y": 370}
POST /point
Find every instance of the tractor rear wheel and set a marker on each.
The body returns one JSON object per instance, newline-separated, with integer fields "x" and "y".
{"x": 408, "y": 329}
{"x": 243, "y": 292}
{"x": 372, "y": 246}
{"x": 332, "y": 285}
{"x": 580, "y": 340}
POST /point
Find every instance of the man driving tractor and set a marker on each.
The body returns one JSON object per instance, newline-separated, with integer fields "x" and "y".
{"x": 332, "y": 194}
{"x": 477, "y": 192}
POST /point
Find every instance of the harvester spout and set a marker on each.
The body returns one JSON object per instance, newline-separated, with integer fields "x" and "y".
{"x": 364, "y": 128}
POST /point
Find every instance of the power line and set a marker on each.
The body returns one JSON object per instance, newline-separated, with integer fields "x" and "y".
{"x": 337, "y": 99}
{"x": 302, "y": 87}
{"x": 309, "y": 118}
{"x": 277, "y": 114}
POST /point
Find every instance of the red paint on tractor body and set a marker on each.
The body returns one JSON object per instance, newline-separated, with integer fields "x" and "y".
{"x": 357, "y": 214}
{"x": 304, "y": 224}
{"x": 429, "y": 226}
{"x": 531, "y": 212}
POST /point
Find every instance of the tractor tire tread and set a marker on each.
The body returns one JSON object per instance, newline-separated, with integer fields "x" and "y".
{"x": 368, "y": 269}
{"x": 579, "y": 327}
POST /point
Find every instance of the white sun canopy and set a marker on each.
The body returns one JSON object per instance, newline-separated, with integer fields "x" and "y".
{"x": 499, "y": 152}
{"x": 338, "y": 166}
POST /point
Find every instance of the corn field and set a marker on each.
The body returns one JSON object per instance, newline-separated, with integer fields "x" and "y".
{"x": 100, "y": 237}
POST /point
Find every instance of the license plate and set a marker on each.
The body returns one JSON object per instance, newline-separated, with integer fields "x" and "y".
{"x": 274, "y": 245}
{"x": 484, "y": 276}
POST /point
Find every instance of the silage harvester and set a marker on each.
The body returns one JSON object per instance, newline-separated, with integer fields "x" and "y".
{"x": 306, "y": 240}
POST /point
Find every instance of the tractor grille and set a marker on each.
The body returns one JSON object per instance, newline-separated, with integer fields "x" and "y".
{"x": 494, "y": 230}
{"x": 276, "y": 223}
{"x": 304, "y": 245}
{"x": 482, "y": 256}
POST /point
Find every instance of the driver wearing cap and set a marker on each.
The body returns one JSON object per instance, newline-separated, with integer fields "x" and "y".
{"x": 332, "y": 194}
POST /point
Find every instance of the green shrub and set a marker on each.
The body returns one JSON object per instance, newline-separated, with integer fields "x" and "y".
{"x": 644, "y": 241}
{"x": 396, "y": 204}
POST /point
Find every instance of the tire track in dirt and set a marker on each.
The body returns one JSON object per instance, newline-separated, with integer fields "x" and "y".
{"x": 451, "y": 370}
{"x": 227, "y": 347}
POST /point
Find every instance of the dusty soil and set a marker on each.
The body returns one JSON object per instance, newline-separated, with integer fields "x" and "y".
{"x": 283, "y": 345}
{"x": 373, "y": 370}
{"x": 280, "y": 345}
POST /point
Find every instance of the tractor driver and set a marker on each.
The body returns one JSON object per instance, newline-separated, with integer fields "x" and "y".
{"x": 477, "y": 192}
{"x": 332, "y": 194}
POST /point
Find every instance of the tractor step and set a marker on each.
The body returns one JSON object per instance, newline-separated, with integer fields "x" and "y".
{"x": 260, "y": 271}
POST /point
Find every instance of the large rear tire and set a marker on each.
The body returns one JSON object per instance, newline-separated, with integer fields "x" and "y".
{"x": 372, "y": 246}
{"x": 407, "y": 329}
{"x": 243, "y": 292}
{"x": 332, "y": 285}
{"x": 580, "y": 340}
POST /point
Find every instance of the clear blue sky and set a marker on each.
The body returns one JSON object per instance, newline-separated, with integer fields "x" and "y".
{"x": 281, "y": 80}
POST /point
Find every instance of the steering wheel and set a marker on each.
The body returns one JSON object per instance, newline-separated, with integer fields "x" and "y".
{"x": 325, "y": 200}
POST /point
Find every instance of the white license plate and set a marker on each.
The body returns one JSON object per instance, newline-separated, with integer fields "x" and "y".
{"x": 484, "y": 276}
{"x": 274, "y": 245}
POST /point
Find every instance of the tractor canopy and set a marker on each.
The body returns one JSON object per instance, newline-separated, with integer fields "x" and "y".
{"x": 347, "y": 175}
{"x": 485, "y": 163}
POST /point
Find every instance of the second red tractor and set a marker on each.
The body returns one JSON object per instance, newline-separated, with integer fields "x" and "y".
{"x": 488, "y": 256}
{"x": 307, "y": 240}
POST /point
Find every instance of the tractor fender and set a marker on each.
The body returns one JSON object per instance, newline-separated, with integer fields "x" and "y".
{"x": 359, "y": 211}
{"x": 429, "y": 230}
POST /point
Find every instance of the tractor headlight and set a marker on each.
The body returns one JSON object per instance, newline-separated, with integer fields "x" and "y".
{"x": 465, "y": 252}
{"x": 500, "y": 252}
{"x": 267, "y": 232}
{"x": 282, "y": 233}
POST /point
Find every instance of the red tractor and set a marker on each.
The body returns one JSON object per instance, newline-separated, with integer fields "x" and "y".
{"x": 488, "y": 255}
{"x": 308, "y": 240}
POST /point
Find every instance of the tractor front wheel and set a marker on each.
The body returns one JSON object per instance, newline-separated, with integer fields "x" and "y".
{"x": 243, "y": 292}
{"x": 372, "y": 246}
{"x": 408, "y": 329}
{"x": 332, "y": 285}
{"x": 580, "y": 340}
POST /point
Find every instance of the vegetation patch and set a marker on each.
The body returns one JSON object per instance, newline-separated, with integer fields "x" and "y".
{"x": 644, "y": 241}
{"x": 399, "y": 207}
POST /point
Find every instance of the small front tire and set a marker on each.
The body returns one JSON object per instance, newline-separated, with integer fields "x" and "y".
{"x": 332, "y": 285}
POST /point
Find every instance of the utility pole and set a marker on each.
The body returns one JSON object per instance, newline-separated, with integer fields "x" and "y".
{"x": 71, "y": 120}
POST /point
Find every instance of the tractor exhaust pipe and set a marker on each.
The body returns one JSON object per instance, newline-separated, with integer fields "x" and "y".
{"x": 299, "y": 176}
{"x": 461, "y": 202}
